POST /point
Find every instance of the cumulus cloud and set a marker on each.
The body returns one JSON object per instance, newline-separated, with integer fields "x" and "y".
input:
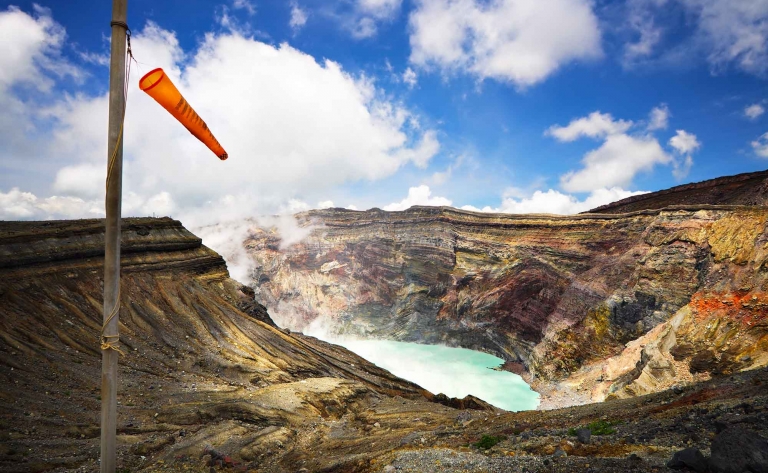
{"x": 684, "y": 142}
{"x": 30, "y": 49}
{"x": 31, "y": 63}
{"x": 595, "y": 125}
{"x": 760, "y": 146}
{"x": 517, "y": 41}
{"x": 615, "y": 163}
{"x": 306, "y": 127}
{"x": 19, "y": 205}
{"x": 754, "y": 111}
{"x": 420, "y": 195}
{"x": 556, "y": 202}
{"x": 624, "y": 153}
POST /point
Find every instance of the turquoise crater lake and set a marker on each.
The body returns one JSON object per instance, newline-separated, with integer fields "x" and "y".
{"x": 455, "y": 372}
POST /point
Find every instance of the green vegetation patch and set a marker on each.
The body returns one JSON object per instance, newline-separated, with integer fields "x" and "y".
{"x": 598, "y": 427}
{"x": 488, "y": 441}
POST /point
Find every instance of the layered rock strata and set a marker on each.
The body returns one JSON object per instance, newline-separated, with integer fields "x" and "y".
{"x": 196, "y": 348}
{"x": 207, "y": 383}
{"x": 585, "y": 306}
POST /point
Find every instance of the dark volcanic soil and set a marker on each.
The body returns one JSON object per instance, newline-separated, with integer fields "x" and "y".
{"x": 742, "y": 189}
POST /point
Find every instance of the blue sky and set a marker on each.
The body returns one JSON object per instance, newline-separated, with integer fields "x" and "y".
{"x": 501, "y": 105}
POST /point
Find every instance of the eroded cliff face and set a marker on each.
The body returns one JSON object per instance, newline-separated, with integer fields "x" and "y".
{"x": 207, "y": 382}
{"x": 585, "y": 306}
{"x": 199, "y": 354}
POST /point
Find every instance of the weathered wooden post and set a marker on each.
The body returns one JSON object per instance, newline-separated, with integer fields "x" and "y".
{"x": 110, "y": 333}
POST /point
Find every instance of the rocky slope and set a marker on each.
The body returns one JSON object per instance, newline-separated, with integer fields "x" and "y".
{"x": 197, "y": 350}
{"x": 585, "y": 306}
{"x": 207, "y": 383}
{"x": 742, "y": 189}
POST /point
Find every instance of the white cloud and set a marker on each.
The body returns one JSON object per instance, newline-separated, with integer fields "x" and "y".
{"x": 733, "y": 31}
{"x": 760, "y": 146}
{"x": 325, "y": 204}
{"x": 160, "y": 204}
{"x": 684, "y": 142}
{"x": 30, "y": 48}
{"x": 18, "y": 205}
{"x": 311, "y": 127}
{"x": 99, "y": 59}
{"x": 659, "y": 118}
{"x": 420, "y": 195}
{"x": 596, "y": 125}
{"x": 31, "y": 64}
{"x": 364, "y": 28}
{"x": 641, "y": 21}
{"x": 518, "y": 41}
{"x": 246, "y": 5}
{"x": 622, "y": 154}
{"x": 298, "y": 17}
{"x": 754, "y": 111}
{"x": 362, "y": 18}
{"x": 423, "y": 152}
{"x": 615, "y": 163}
{"x": 650, "y": 35}
{"x": 726, "y": 33}
{"x": 555, "y": 202}
{"x": 681, "y": 167}
{"x": 441, "y": 177}
{"x": 410, "y": 78}
{"x": 379, "y": 8}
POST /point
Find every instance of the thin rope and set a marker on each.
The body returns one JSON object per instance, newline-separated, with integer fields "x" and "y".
{"x": 111, "y": 342}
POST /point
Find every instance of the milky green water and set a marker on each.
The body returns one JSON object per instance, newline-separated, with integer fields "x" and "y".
{"x": 455, "y": 372}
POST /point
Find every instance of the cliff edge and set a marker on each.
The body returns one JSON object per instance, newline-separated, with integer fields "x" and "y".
{"x": 208, "y": 383}
{"x": 742, "y": 189}
{"x": 573, "y": 303}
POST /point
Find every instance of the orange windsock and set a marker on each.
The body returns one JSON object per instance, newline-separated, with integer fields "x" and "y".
{"x": 159, "y": 87}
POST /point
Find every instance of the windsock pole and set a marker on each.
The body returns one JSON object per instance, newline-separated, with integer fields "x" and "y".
{"x": 109, "y": 352}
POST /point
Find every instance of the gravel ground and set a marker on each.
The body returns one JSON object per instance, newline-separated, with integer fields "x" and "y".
{"x": 451, "y": 461}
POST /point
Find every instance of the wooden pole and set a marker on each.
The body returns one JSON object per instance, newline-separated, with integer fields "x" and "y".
{"x": 112, "y": 235}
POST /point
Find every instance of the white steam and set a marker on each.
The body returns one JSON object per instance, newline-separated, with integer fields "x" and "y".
{"x": 227, "y": 238}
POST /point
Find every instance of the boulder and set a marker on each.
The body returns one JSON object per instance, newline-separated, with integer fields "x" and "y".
{"x": 738, "y": 450}
{"x": 583, "y": 435}
{"x": 688, "y": 458}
